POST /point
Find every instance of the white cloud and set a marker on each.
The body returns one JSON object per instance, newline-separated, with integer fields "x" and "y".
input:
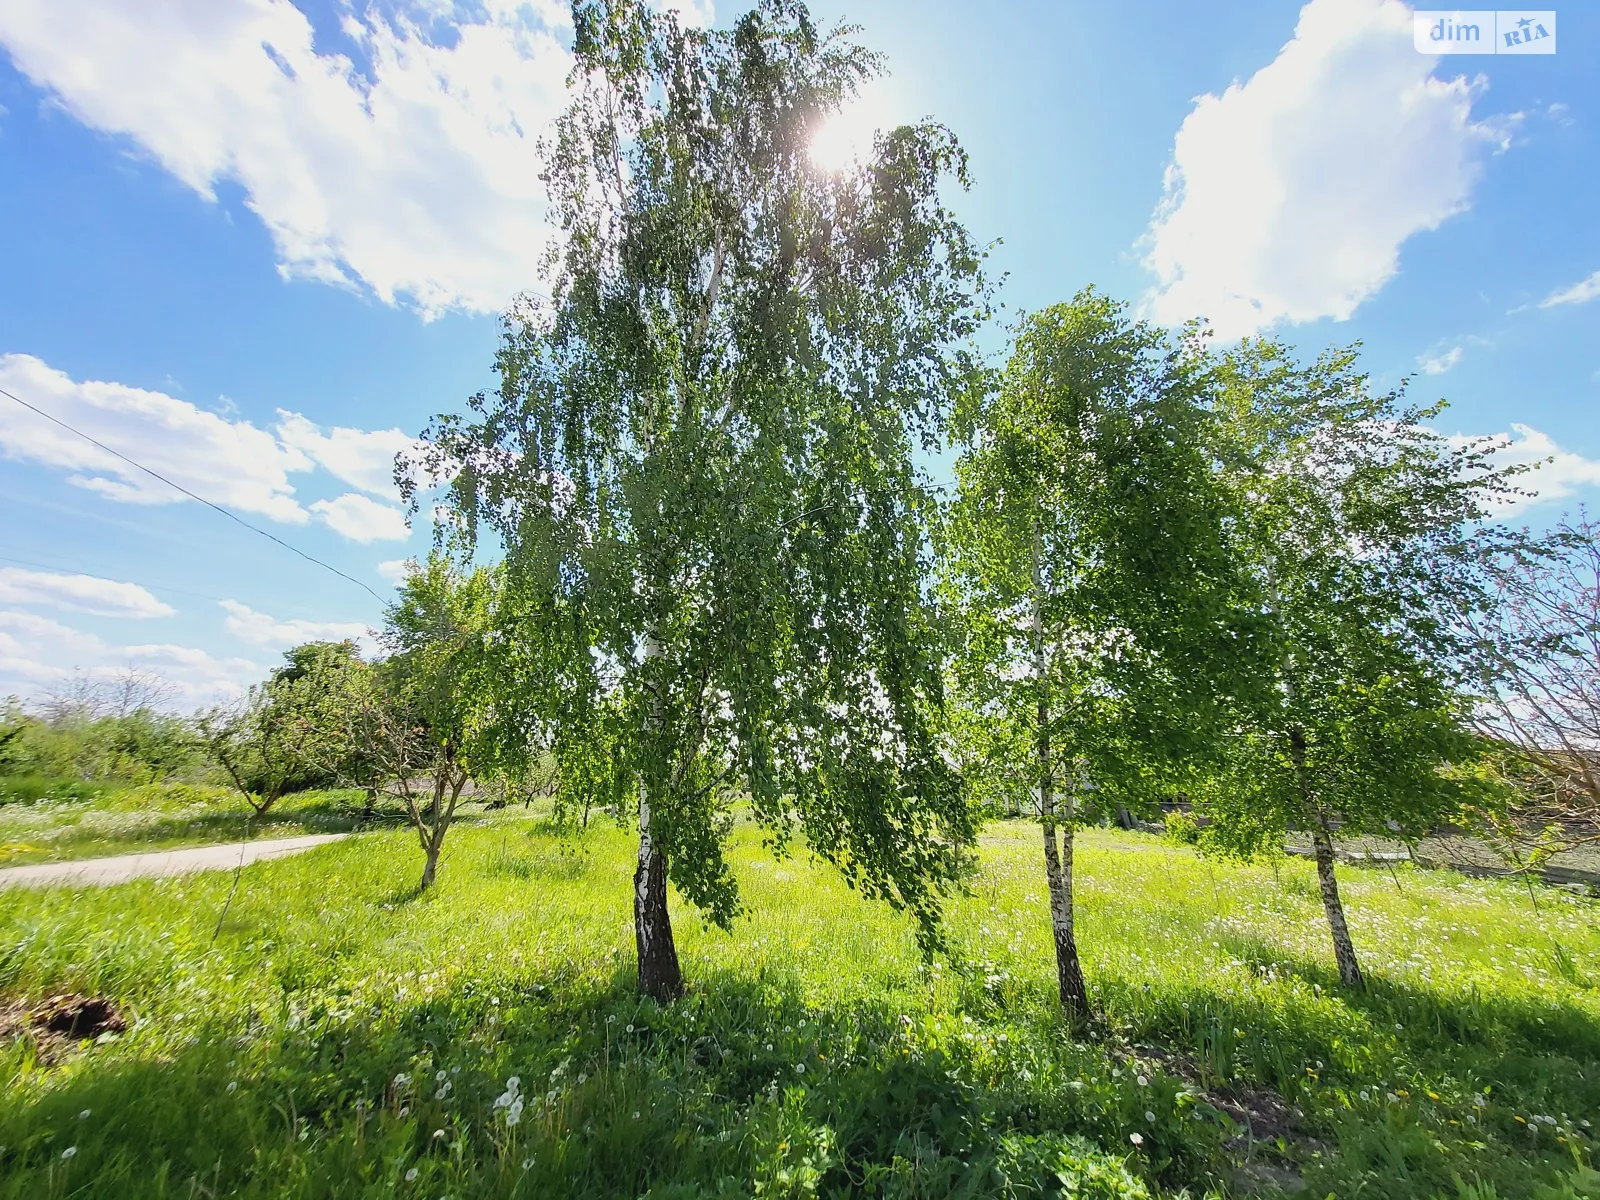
{"x": 259, "y": 629}
{"x": 38, "y": 655}
{"x": 414, "y": 175}
{"x": 1579, "y": 293}
{"x": 362, "y": 519}
{"x": 1289, "y": 196}
{"x": 1438, "y": 364}
{"x": 395, "y": 570}
{"x": 79, "y": 593}
{"x": 358, "y": 457}
{"x": 1560, "y": 474}
{"x": 228, "y": 462}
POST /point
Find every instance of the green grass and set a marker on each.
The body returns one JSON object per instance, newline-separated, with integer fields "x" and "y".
{"x": 300, "y": 1053}
{"x": 64, "y": 822}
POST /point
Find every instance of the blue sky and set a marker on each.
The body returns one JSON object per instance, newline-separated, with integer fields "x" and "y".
{"x": 256, "y": 244}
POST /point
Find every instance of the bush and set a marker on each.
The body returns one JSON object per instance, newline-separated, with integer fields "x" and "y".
{"x": 29, "y": 789}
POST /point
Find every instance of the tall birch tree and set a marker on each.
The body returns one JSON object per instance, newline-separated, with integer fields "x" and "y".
{"x": 1089, "y": 553}
{"x": 700, "y": 459}
{"x": 1366, "y": 531}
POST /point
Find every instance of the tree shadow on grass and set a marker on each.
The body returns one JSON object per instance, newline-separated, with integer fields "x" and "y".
{"x": 341, "y": 1088}
{"x": 1422, "y": 1018}
{"x": 741, "y": 1087}
{"x": 1411, "y": 1083}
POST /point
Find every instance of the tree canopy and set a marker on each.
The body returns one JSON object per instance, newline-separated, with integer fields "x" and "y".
{"x": 701, "y": 458}
{"x": 1364, "y": 527}
{"x": 1091, "y": 559}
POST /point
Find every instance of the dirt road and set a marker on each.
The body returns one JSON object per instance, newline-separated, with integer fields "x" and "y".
{"x": 94, "y": 871}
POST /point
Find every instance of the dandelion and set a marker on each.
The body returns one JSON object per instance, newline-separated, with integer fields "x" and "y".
{"x": 233, "y": 1086}
{"x": 513, "y": 1083}
{"x": 411, "y": 1175}
{"x": 84, "y": 1115}
{"x": 800, "y": 1068}
{"x": 1136, "y": 1138}
{"x": 440, "y": 1076}
{"x": 514, "y": 1112}
{"x": 1142, "y": 1081}
{"x": 438, "y": 1133}
{"x": 405, "y": 1109}
{"x": 402, "y": 1079}
{"x": 1366, "y": 1095}
{"x": 69, "y": 1152}
{"x": 630, "y": 1028}
{"x": 1150, "y": 1116}
{"x": 583, "y": 1078}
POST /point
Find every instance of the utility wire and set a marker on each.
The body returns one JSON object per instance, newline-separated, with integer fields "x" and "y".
{"x": 179, "y": 487}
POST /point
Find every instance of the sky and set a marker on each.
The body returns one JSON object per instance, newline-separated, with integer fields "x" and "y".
{"x": 255, "y": 245}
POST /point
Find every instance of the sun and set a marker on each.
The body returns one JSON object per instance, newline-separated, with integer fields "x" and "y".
{"x": 839, "y": 141}
{"x": 845, "y": 138}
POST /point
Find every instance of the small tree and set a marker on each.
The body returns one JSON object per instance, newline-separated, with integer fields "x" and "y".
{"x": 700, "y": 460}
{"x": 1089, "y": 556}
{"x": 1363, "y": 525}
{"x": 1540, "y": 707}
{"x": 417, "y": 716}
{"x": 283, "y": 735}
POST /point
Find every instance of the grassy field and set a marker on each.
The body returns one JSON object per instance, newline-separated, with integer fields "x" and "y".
{"x": 87, "y": 822}
{"x": 344, "y": 1037}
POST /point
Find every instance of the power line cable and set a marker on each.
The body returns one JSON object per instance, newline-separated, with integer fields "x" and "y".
{"x": 179, "y": 487}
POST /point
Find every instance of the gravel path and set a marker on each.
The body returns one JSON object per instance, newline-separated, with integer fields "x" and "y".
{"x": 94, "y": 871}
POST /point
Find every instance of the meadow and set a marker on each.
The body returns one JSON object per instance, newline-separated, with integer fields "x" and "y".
{"x": 52, "y": 820}
{"x": 340, "y": 1035}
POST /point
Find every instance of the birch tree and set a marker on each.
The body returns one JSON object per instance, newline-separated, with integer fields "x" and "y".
{"x": 1365, "y": 529}
{"x": 1090, "y": 556}
{"x": 699, "y": 459}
